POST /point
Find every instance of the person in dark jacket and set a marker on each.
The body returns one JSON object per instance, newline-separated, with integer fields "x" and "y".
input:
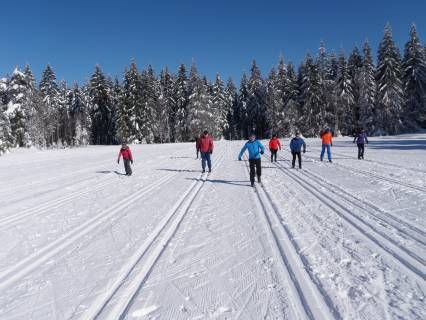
{"x": 197, "y": 145}
{"x": 206, "y": 149}
{"x": 296, "y": 145}
{"x": 361, "y": 139}
{"x": 255, "y": 150}
{"x": 127, "y": 158}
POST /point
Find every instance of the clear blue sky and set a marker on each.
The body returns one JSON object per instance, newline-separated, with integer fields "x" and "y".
{"x": 222, "y": 36}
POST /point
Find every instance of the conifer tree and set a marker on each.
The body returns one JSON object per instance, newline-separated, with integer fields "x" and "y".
{"x": 367, "y": 91}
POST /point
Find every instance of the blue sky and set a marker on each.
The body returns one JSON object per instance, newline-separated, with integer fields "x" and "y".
{"x": 222, "y": 36}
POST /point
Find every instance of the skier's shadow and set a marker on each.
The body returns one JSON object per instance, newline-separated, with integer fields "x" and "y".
{"x": 108, "y": 172}
{"x": 220, "y": 181}
{"x": 178, "y": 170}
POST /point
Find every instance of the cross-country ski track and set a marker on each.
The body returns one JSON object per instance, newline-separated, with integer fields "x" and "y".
{"x": 341, "y": 240}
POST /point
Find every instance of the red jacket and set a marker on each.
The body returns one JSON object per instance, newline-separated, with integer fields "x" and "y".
{"x": 206, "y": 144}
{"x": 326, "y": 137}
{"x": 275, "y": 144}
{"x": 125, "y": 153}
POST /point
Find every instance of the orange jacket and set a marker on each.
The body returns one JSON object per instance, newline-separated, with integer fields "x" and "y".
{"x": 326, "y": 138}
{"x": 274, "y": 144}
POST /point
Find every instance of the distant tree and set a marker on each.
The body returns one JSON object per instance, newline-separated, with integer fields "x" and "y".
{"x": 414, "y": 77}
{"x": 367, "y": 91}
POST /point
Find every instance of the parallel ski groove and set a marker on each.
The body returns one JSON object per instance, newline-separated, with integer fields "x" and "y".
{"x": 167, "y": 228}
{"x": 313, "y": 303}
{"x": 397, "y": 253}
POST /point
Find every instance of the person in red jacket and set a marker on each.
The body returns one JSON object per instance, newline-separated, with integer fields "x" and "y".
{"x": 206, "y": 149}
{"x": 274, "y": 145}
{"x": 127, "y": 158}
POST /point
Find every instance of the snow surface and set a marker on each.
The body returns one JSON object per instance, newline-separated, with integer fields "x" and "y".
{"x": 346, "y": 240}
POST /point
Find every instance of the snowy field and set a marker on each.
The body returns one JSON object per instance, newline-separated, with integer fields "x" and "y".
{"x": 347, "y": 240}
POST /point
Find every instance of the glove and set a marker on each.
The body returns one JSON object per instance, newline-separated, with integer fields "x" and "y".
{"x": 353, "y": 142}
{"x": 131, "y": 161}
{"x": 211, "y": 152}
{"x": 118, "y": 161}
{"x": 239, "y": 159}
{"x": 304, "y": 151}
{"x": 331, "y": 144}
{"x": 261, "y": 152}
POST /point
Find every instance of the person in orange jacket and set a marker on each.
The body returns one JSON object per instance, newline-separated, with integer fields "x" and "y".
{"x": 274, "y": 145}
{"x": 327, "y": 143}
{"x": 127, "y": 158}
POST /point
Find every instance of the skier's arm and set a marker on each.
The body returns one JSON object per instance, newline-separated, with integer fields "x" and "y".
{"x": 119, "y": 156}
{"x": 304, "y": 146}
{"x": 211, "y": 146}
{"x": 262, "y": 148}
{"x": 366, "y": 139}
{"x": 242, "y": 152}
{"x": 355, "y": 139}
{"x": 131, "y": 156}
{"x": 279, "y": 144}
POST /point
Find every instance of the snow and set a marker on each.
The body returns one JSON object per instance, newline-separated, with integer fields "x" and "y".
{"x": 344, "y": 240}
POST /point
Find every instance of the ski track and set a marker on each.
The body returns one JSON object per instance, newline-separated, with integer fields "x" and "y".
{"x": 162, "y": 234}
{"x": 11, "y": 275}
{"x": 410, "y": 262}
{"x": 400, "y": 244}
{"x": 312, "y": 302}
{"x": 409, "y": 230}
{"x": 359, "y": 172}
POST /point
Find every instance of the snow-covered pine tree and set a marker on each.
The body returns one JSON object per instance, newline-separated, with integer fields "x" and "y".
{"x": 414, "y": 76}
{"x": 79, "y": 117}
{"x": 330, "y": 90}
{"x": 181, "y": 129}
{"x": 18, "y": 107}
{"x": 6, "y": 137}
{"x": 312, "y": 113}
{"x": 220, "y": 108}
{"x": 48, "y": 90}
{"x": 291, "y": 101}
{"x": 274, "y": 104}
{"x": 323, "y": 62}
{"x": 100, "y": 108}
{"x": 344, "y": 114}
{"x": 166, "y": 105}
{"x": 390, "y": 96}
{"x": 150, "y": 94}
{"x": 256, "y": 106}
{"x": 64, "y": 134}
{"x": 367, "y": 91}
{"x": 354, "y": 70}
{"x": 231, "y": 101}
{"x": 241, "y": 116}
{"x": 201, "y": 115}
{"x": 130, "y": 110}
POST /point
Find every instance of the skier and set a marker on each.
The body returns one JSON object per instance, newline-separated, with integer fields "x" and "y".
{"x": 327, "y": 143}
{"x": 274, "y": 145}
{"x": 197, "y": 145}
{"x": 127, "y": 158}
{"x": 296, "y": 145}
{"x": 206, "y": 149}
{"x": 361, "y": 139}
{"x": 255, "y": 150}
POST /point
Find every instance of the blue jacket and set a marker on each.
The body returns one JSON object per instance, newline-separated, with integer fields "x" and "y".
{"x": 296, "y": 145}
{"x": 254, "y": 148}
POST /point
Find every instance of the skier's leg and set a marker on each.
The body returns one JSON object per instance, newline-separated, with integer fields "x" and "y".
{"x": 272, "y": 155}
{"x": 275, "y": 155}
{"x": 126, "y": 163}
{"x": 203, "y": 161}
{"x": 252, "y": 170}
{"x": 359, "y": 150}
{"x": 209, "y": 161}
{"x": 299, "y": 157}
{"x": 329, "y": 152}
{"x": 293, "y": 161}
{"x": 362, "y": 151}
{"x": 322, "y": 152}
{"x": 258, "y": 169}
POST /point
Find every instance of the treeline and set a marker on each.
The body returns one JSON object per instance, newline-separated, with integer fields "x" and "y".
{"x": 326, "y": 90}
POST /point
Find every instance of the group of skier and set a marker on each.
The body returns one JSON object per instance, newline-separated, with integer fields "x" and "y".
{"x": 204, "y": 149}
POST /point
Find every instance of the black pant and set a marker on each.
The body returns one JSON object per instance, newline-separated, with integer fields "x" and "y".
{"x": 127, "y": 167}
{"x": 255, "y": 169}
{"x": 360, "y": 150}
{"x": 273, "y": 155}
{"x": 299, "y": 156}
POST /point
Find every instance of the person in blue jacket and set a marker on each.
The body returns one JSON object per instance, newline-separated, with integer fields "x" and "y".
{"x": 255, "y": 150}
{"x": 296, "y": 145}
